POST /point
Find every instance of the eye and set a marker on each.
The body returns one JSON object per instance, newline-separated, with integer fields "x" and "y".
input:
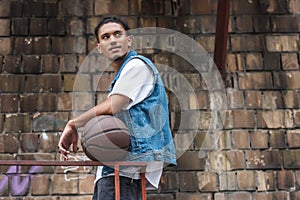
{"x": 118, "y": 34}
{"x": 105, "y": 37}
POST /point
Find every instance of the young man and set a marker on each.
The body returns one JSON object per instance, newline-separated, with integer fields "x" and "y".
{"x": 137, "y": 96}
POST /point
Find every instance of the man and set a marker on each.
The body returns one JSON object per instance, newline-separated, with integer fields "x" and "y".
{"x": 137, "y": 96}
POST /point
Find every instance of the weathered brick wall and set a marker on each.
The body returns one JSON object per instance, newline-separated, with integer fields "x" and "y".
{"x": 256, "y": 155}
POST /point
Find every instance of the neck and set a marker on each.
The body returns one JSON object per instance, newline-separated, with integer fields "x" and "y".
{"x": 116, "y": 64}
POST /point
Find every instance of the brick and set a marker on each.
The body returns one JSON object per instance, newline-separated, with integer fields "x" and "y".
{"x": 5, "y": 8}
{"x": 187, "y": 182}
{"x": 29, "y": 142}
{"x": 12, "y": 64}
{"x": 48, "y": 142}
{"x": 255, "y": 80}
{"x": 285, "y": 180}
{"x": 207, "y": 42}
{"x": 68, "y": 63}
{"x": 247, "y": 43}
{"x": 259, "y": 139}
{"x": 17, "y": 123}
{"x": 163, "y": 22}
{"x": 32, "y": 64}
{"x": 291, "y": 99}
{"x": 28, "y": 102}
{"x": 189, "y": 25}
{"x": 246, "y": 180}
{"x": 295, "y": 195}
{"x": 275, "y": 119}
{"x": 228, "y": 160}
{"x": 64, "y": 102}
{"x": 60, "y": 186}
{"x": 239, "y": 7}
{"x": 9, "y": 143}
{"x": 293, "y": 138}
{"x": 235, "y": 98}
{"x": 56, "y": 27}
{"x": 242, "y": 24}
{"x": 241, "y": 62}
{"x": 4, "y": 27}
{"x": 240, "y": 139}
{"x": 272, "y": 100}
{"x": 273, "y": 6}
{"x": 159, "y": 196}
{"x": 19, "y": 26}
{"x": 103, "y": 7}
{"x": 282, "y": 43}
{"x": 46, "y": 103}
{"x": 9, "y": 103}
{"x": 297, "y": 118}
{"x": 207, "y": 181}
{"x": 83, "y": 101}
{"x": 49, "y": 121}
{"x": 190, "y": 161}
{"x": 285, "y": 23}
{"x": 49, "y": 64}
{"x": 294, "y": 6}
{"x": 233, "y": 195}
{"x": 23, "y": 45}
{"x": 253, "y": 99}
{"x": 271, "y": 195}
{"x": 51, "y": 9}
{"x": 77, "y": 83}
{"x": 239, "y": 119}
{"x": 261, "y": 23}
{"x": 7, "y": 83}
{"x": 254, "y": 61}
{"x": 33, "y": 9}
{"x": 45, "y": 83}
{"x": 290, "y": 61}
{"x": 16, "y": 9}
{"x": 41, "y": 45}
{"x": 272, "y": 61}
{"x": 86, "y": 185}
{"x": 263, "y": 160}
{"x": 168, "y": 182}
{"x": 40, "y": 184}
{"x": 75, "y": 45}
{"x": 58, "y": 45}
{"x": 5, "y": 44}
{"x": 102, "y": 82}
{"x": 191, "y": 196}
{"x": 5, "y": 186}
{"x": 37, "y": 169}
{"x": 206, "y": 24}
{"x": 38, "y": 26}
{"x": 231, "y": 62}
{"x": 200, "y": 9}
{"x": 277, "y": 139}
{"x": 265, "y": 181}
{"x": 291, "y": 159}
{"x": 75, "y": 27}
{"x": 1, "y": 122}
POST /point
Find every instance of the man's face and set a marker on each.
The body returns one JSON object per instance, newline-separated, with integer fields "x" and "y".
{"x": 113, "y": 40}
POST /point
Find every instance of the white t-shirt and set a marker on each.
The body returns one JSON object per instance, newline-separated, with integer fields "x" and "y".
{"x": 136, "y": 82}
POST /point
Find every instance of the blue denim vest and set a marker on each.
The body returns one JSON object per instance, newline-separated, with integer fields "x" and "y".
{"x": 148, "y": 122}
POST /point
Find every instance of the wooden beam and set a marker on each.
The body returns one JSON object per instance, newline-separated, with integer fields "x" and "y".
{"x": 221, "y": 36}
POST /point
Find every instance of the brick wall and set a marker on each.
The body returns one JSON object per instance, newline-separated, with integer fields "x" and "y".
{"x": 254, "y": 156}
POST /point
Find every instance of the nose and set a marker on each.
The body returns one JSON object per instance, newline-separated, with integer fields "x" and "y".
{"x": 112, "y": 40}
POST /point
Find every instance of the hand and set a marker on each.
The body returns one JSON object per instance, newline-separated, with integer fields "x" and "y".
{"x": 69, "y": 137}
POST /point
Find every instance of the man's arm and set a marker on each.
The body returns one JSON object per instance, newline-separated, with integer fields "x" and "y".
{"x": 69, "y": 137}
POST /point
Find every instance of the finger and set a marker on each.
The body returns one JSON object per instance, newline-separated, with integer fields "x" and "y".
{"x": 75, "y": 148}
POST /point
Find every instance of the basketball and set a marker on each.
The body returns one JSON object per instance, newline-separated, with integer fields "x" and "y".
{"x": 105, "y": 138}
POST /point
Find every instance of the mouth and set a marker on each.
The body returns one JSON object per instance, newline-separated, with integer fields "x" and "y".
{"x": 114, "y": 48}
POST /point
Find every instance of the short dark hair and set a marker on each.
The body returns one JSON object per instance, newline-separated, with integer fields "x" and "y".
{"x": 108, "y": 19}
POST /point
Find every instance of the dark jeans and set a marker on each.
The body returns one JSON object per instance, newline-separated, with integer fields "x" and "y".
{"x": 130, "y": 189}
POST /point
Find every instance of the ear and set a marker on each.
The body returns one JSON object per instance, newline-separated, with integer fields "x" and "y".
{"x": 129, "y": 41}
{"x": 99, "y": 48}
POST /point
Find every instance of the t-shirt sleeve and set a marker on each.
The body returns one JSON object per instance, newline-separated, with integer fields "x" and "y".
{"x": 135, "y": 82}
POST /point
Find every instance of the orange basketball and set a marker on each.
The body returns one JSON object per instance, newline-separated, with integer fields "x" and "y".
{"x": 105, "y": 138}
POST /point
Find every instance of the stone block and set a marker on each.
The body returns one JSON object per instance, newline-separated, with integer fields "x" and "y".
{"x": 289, "y": 61}
{"x": 61, "y": 187}
{"x": 75, "y": 45}
{"x": 239, "y": 7}
{"x": 273, "y": 6}
{"x": 12, "y": 64}
{"x": 83, "y": 101}
{"x": 263, "y": 160}
{"x": 49, "y": 64}
{"x": 5, "y": 8}
{"x": 86, "y": 185}
{"x": 6, "y": 46}
{"x": 235, "y": 98}
{"x": 41, "y": 45}
{"x": 46, "y": 103}
{"x": 188, "y": 182}
{"x": 207, "y": 181}
{"x": 40, "y": 185}
{"x": 228, "y": 160}
{"x": 75, "y": 27}
{"x": 242, "y": 24}
{"x": 247, "y": 43}
{"x": 293, "y": 138}
{"x": 240, "y": 139}
{"x": 19, "y": 26}
{"x": 190, "y": 161}
{"x": 261, "y": 23}
{"x": 291, "y": 99}
{"x": 233, "y": 195}
{"x": 48, "y": 142}
{"x": 9, "y": 103}
{"x": 294, "y": 6}
{"x": 193, "y": 196}
{"x": 277, "y": 139}
{"x": 29, "y": 142}
{"x": 10, "y": 83}
{"x": 259, "y": 139}
{"x": 64, "y": 102}
{"x": 38, "y": 26}
{"x": 168, "y": 182}
{"x": 271, "y": 195}
{"x": 32, "y": 64}
{"x": 68, "y": 63}
{"x": 33, "y": 9}
{"x": 265, "y": 181}
{"x": 254, "y": 61}
{"x": 56, "y": 27}
{"x": 16, "y": 9}
{"x": 291, "y": 159}
{"x": 9, "y": 143}
{"x": 285, "y": 179}
{"x": 17, "y": 123}
{"x": 255, "y": 80}
{"x": 281, "y": 43}
{"x": 272, "y": 100}
{"x": 275, "y": 119}
{"x": 4, "y": 27}
{"x": 253, "y": 99}
{"x": 28, "y": 102}
{"x": 272, "y": 61}
{"x": 240, "y": 119}
{"x": 285, "y": 23}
